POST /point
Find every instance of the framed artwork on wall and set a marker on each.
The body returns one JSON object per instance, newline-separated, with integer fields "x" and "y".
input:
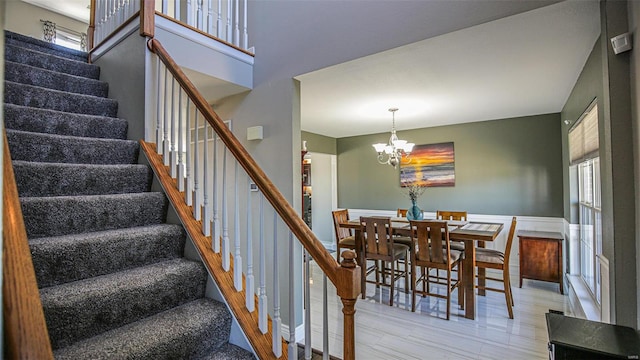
{"x": 429, "y": 165}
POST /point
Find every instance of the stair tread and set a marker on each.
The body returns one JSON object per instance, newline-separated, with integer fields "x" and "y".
{"x": 88, "y": 307}
{"x": 67, "y": 258}
{"x": 30, "y": 75}
{"x": 161, "y": 336}
{"x": 26, "y": 118}
{"x": 50, "y": 61}
{"x": 30, "y": 42}
{"x": 37, "y": 179}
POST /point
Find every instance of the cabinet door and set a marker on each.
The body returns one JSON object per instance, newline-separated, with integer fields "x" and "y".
{"x": 539, "y": 259}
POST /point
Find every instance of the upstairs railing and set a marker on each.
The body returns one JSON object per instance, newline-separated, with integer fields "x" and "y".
{"x": 225, "y": 20}
{"x": 25, "y": 330}
{"x": 247, "y": 220}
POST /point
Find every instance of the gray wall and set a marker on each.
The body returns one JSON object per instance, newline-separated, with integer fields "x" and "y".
{"x": 320, "y": 143}
{"x": 25, "y": 19}
{"x": 502, "y": 167}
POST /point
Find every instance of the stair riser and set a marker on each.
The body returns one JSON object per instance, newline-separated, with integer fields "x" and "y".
{"x": 48, "y": 48}
{"x": 63, "y": 149}
{"x": 60, "y": 260}
{"x": 26, "y": 118}
{"x": 44, "y": 179}
{"x": 39, "y": 97}
{"x": 81, "y": 311}
{"x": 50, "y": 62}
{"x": 30, "y": 75}
{"x": 66, "y": 215}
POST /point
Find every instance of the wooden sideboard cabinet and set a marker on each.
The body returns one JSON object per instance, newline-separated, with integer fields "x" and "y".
{"x": 541, "y": 256}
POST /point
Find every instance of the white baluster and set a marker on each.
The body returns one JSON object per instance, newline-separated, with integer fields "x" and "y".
{"x": 190, "y": 17}
{"x": 166, "y": 143}
{"x": 245, "y": 35}
{"x": 262, "y": 291}
{"x": 226, "y": 259}
{"x": 176, "y": 9}
{"x": 165, "y": 7}
{"x": 215, "y": 238}
{"x": 325, "y": 319}
{"x": 276, "y": 322}
{"x": 119, "y": 12}
{"x": 219, "y": 26}
{"x": 199, "y": 16}
{"x": 196, "y": 169}
{"x": 210, "y": 17}
{"x": 229, "y": 37}
{"x": 236, "y": 25}
{"x": 237, "y": 257}
{"x": 173, "y": 166}
{"x": 181, "y": 147}
{"x": 292, "y": 349}
{"x": 206, "y": 208}
{"x": 159, "y": 106}
{"x": 188, "y": 195}
{"x": 307, "y": 306}
{"x": 250, "y": 302}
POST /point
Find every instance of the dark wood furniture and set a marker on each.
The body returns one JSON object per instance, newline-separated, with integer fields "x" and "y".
{"x": 344, "y": 236}
{"x": 541, "y": 256}
{"x": 470, "y": 233}
{"x": 495, "y": 259}
{"x": 573, "y": 338}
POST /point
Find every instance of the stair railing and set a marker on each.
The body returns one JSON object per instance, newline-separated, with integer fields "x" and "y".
{"x": 25, "y": 329}
{"x": 225, "y": 20}
{"x": 223, "y": 188}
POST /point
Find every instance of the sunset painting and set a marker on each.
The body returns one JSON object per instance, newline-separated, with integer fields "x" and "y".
{"x": 429, "y": 165}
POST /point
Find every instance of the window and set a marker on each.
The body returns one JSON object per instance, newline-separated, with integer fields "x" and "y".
{"x": 583, "y": 152}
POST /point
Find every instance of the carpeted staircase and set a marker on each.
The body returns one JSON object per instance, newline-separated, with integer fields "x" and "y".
{"x": 112, "y": 276}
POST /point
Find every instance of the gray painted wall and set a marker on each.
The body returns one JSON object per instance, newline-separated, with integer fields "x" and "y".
{"x": 320, "y": 143}
{"x": 502, "y": 167}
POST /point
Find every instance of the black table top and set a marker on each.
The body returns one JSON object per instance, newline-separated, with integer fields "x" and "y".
{"x": 611, "y": 340}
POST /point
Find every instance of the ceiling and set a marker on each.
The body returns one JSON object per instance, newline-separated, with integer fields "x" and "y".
{"x": 520, "y": 65}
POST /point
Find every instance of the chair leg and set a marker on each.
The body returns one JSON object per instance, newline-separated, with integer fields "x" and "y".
{"x": 448, "y": 294}
{"x": 393, "y": 263}
{"x": 413, "y": 287}
{"x": 338, "y": 253}
{"x": 507, "y": 292}
{"x": 406, "y": 274}
{"x": 460, "y": 287}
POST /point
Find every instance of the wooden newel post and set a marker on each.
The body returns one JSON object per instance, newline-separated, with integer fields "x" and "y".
{"x": 147, "y": 18}
{"x": 92, "y": 25}
{"x": 349, "y": 279}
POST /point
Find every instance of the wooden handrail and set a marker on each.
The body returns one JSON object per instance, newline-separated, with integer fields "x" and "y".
{"x": 345, "y": 276}
{"x": 25, "y": 329}
{"x": 92, "y": 24}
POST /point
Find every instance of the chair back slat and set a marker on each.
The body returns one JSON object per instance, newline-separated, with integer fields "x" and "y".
{"x": 377, "y": 235}
{"x": 507, "y": 249}
{"x": 432, "y": 238}
{"x": 341, "y": 216}
{"x": 451, "y": 215}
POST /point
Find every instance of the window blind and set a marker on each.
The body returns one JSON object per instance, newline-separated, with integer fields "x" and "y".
{"x": 583, "y": 136}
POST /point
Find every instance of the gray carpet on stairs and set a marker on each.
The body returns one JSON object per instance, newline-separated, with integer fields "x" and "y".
{"x": 113, "y": 280}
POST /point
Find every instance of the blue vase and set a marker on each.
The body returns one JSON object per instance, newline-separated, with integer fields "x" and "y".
{"x": 414, "y": 212}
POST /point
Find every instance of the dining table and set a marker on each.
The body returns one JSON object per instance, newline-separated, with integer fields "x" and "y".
{"x": 470, "y": 234}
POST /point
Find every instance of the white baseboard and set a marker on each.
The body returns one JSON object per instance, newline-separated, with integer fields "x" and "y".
{"x": 299, "y": 332}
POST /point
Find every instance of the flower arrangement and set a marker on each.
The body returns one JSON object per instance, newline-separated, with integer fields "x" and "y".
{"x": 414, "y": 191}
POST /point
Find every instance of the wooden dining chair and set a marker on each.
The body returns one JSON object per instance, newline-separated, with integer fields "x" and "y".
{"x": 453, "y": 215}
{"x": 495, "y": 259}
{"x": 433, "y": 251}
{"x": 401, "y": 213}
{"x": 380, "y": 247}
{"x": 344, "y": 237}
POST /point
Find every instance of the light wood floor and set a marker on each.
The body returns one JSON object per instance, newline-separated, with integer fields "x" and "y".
{"x": 384, "y": 332}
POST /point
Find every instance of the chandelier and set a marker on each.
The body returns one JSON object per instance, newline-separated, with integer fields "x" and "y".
{"x": 392, "y": 152}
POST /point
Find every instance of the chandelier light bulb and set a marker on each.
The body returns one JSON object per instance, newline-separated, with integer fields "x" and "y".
{"x": 396, "y": 148}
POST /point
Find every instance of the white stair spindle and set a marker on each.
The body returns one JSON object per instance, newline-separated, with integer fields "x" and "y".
{"x": 196, "y": 168}
{"x": 229, "y": 37}
{"x": 236, "y": 24}
{"x": 206, "y": 208}
{"x": 325, "y": 319}
{"x": 307, "y": 307}
{"x": 188, "y": 197}
{"x": 245, "y": 35}
{"x": 176, "y": 9}
{"x": 159, "y": 106}
{"x": 226, "y": 259}
{"x": 262, "y": 291}
{"x": 292, "y": 348}
{"x": 199, "y": 16}
{"x": 250, "y": 290}
{"x": 166, "y": 143}
{"x": 181, "y": 150}
{"x": 210, "y": 17}
{"x": 276, "y": 322}
{"x": 190, "y": 17}
{"x": 215, "y": 237}
{"x": 165, "y": 7}
{"x": 219, "y": 25}
{"x": 237, "y": 256}
{"x": 173, "y": 155}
